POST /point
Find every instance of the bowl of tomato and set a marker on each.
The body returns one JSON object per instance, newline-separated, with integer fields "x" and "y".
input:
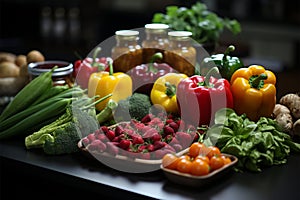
{"x": 198, "y": 165}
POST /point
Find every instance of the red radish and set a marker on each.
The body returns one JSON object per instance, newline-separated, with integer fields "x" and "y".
{"x": 104, "y": 129}
{"x": 118, "y": 130}
{"x": 110, "y": 135}
{"x": 125, "y": 144}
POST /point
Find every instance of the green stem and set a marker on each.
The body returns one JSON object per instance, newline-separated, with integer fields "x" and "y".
{"x": 227, "y": 51}
{"x": 155, "y": 57}
{"x": 258, "y": 81}
{"x": 170, "y": 89}
{"x": 96, "y": 102}
{"x": 212, "y": 70}
{"x": 95, "y": 54}
{"x": 111, "y": 67}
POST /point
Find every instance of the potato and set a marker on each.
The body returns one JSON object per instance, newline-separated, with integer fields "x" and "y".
{"x": 35, "y": 56}
{"x": 7, "y": 57}
{"x": 9, "y": 69}
{"x": 21, "y": 60}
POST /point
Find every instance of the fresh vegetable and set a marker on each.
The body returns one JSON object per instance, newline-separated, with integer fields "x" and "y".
{"x": 227, "y": 64}
{"x": 107, "y": 113}
{"x": 287, "y": 112}
{"x": 103, "y": 83}
{"x": 164, "y": 91}
{"x": 24, "y": 126}
{"x": 257, "y": 145}
{"x": 150, "y": 138}
{"x": 292, "y": 101}
{"x": 135, "y": 106}
{"x": 62, "y": 136}
{"x": 284, "y": 118}
{"x": 28, "y": 94}
{"x": 199, "y": 97}
{"x": 84, "y": 68}
{"x": 254, "y": 92}
{"x": 205, "y": 25}
{"x": 144, "y": 75}
{"x": 200, "y": 160}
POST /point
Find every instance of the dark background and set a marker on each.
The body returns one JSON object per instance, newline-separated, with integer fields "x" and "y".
{"x": 270, "y": 28}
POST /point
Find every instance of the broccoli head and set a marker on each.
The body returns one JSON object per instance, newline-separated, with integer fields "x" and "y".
{"x": 135, "y": 106}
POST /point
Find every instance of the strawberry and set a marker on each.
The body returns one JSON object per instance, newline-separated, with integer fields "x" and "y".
{"x": 159, "y": 145}
{"x": 168, "y": 130}
{"x": 147, "y": 118}
{"x": 118, "y": 130}
{"x": 91, "y": 137}
{"x": 125, "y": 144}
{"x": 110, "y": 135}
{"x": 168, "y": 138}
{"x": 142, "y": 148}
{"x": 174, "y": 126}
{"x": 102, "y": 137}
{"x": 169, "y": 147}
{"x": 139, "y": 126}
{"x": 150, "y": 147}
{"x": 177, "y": 147}
{"x": 155, "y": 121}
{"x": 137, "y": 139}
{"x": 160, "y": 126}
{"x": 174, "y": 141}
{"x": 149, "y": 133}
{"x": 184, "y": 139}
{"x": 156, "y": 137}
{"x": 104, "y": 129}
{"x": 168, "y": 121}
{"x": 181, "y": 124}
{"x": 111, "y": 147}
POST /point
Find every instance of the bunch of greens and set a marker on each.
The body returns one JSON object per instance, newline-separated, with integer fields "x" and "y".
{"x": 256, "y": 144}
{"x": 205, "y": 25}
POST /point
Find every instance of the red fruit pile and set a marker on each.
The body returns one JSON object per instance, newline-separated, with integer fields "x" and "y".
{"x": 150, "y": 138}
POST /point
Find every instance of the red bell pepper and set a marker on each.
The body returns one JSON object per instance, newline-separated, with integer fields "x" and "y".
{"x": 144, "y": 75}
{"x": 199, "y": 97}
{"x": 84, "y": 68}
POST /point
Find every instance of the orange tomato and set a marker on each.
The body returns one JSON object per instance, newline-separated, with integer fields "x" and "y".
{"x": 199, "y": 168}
{"x": 226, "y": 159}
{"x": 203, "y": 158}
{"x": 170, "y": 161}
{"x": 216, "y": 162}
{"x": 198, "y": 148}
{"x": 213, "y": 150}
{"x": 184, "y": 165}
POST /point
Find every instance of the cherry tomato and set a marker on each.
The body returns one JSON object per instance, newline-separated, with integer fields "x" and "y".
{"x": 203, "y": 158}
{"x": 170, "y": 161}
{"x": 213, "y": 150}
{"x": 184, "y": 165}
{"x": 199, "y": 168}
{"x": 216, "y": 162}
{"x": 226, "y": 159}
{"x": 198, "y": 148}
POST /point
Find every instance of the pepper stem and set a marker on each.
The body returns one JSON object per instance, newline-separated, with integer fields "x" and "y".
{"x": 229, "y": 49}
{"x": 170, "y": 89}
{"x": 258, "y": 81}
{"x": 111, "y": 67}
{"x": 155, "y": 57}
{"x": 95, "y": 54}
{"x": 212, "y": 70}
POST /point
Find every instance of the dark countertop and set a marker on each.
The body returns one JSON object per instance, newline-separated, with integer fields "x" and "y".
{"x": 32, "y": 174}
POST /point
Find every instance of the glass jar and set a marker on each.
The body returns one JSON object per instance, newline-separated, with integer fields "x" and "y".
{"x": 156, "y": 36}
{"x": 126, "y": 41}
{"x": 180, "y": 42}
{"x": 60, "y": 76}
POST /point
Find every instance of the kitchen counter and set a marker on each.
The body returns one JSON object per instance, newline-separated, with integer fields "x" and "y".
{"x": 32, "y": 174}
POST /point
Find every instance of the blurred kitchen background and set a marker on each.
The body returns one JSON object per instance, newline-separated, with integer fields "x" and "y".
{"x": 58, "y": 28}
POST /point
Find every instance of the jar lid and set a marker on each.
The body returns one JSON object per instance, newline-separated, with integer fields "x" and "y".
{"x": 127, "y": 33}
{"x": 37, "y": 68}
{"x": 156, "y": 26}
{"x": 180, "y": 33}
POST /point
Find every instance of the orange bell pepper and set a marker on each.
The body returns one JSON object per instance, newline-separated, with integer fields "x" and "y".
{"x": 254, "y": 92}
{"x": 103, "y": 83}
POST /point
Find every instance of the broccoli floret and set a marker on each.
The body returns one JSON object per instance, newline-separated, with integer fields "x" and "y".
{"x": 65, "y": 140}
{"x": 134, "y": 107}
{"x": 62, "y": 135}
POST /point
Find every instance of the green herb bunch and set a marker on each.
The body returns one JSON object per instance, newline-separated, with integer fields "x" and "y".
{"x": 205, "y": 25}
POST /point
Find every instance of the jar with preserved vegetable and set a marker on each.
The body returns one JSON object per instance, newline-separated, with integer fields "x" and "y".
{"x": 156, "y": 36}
{"x": 126, "y": 41}
{"x": 180, "y": 42}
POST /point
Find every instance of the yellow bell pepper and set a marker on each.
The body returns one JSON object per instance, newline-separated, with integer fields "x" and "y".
{"x": 254, "y": 92}
{"x": 103, "y": 83}
{"x": 164, "y": 91}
